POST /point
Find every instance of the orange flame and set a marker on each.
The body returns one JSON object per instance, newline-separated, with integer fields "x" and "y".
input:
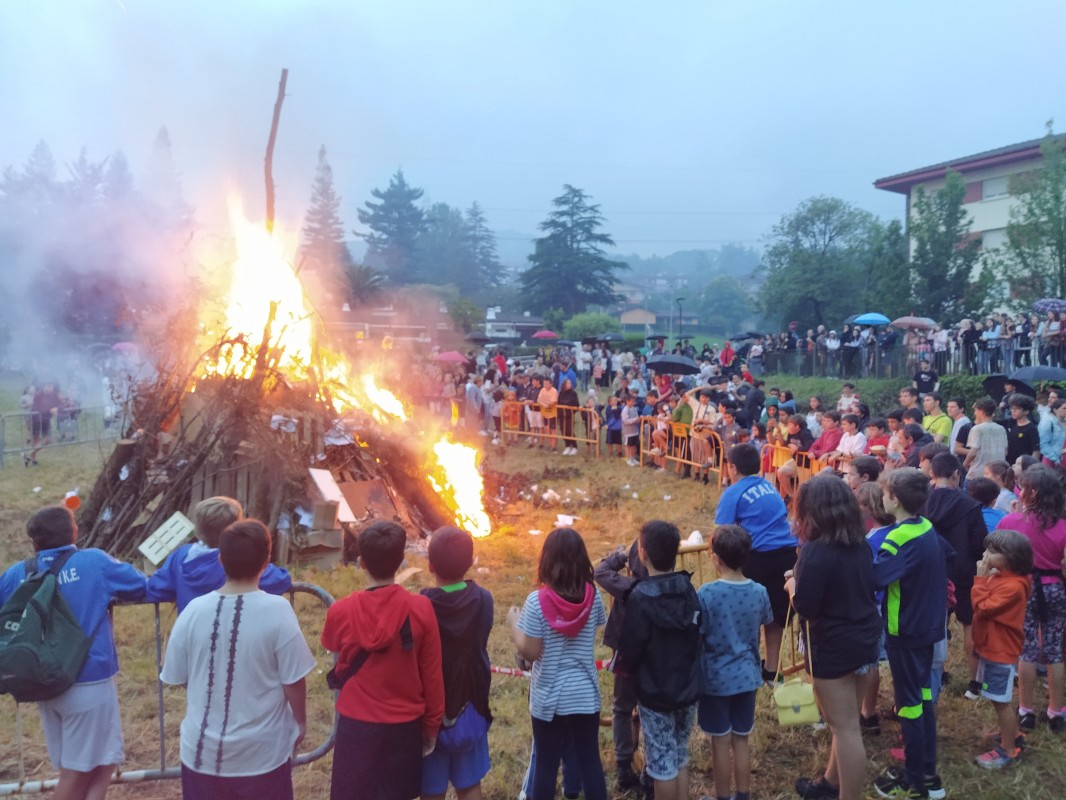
{"x": 263, "y": 279}
{"x": 461, "y": 485}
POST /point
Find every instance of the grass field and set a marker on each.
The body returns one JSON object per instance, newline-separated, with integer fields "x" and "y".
{"x": 611, "y": 501}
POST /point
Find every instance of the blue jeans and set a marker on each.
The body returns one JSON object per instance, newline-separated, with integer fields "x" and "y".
{"x": 579, "y": 731}
{"x": 571, "y": 772}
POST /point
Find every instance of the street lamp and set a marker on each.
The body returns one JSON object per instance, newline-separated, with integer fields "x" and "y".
{"x": 680, "y": 319}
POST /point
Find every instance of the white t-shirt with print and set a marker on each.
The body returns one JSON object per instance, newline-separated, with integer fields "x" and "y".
{"x": 234, "y": 653}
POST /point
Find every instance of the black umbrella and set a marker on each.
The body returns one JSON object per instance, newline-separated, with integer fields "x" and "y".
{"x": 1038, "y": 373}
{"x": 747, "y": 335}
{"x": 610, "y": 337}
{"x": 565, "y": 343}
{"x": 994, "y": 385}
{"x": 673, "y": 365}
{"x": 655, "y": 337}
{"x": 478, "y": 338}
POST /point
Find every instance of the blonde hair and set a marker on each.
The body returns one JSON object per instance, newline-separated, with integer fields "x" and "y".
{"x": 214, "y": 515}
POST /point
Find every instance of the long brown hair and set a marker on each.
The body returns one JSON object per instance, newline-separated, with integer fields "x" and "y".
{"x": 872, "y": 500}
{"x": 1043, "y": 495}
{"x": 564, "y": 564}
{"x": 826, "y": 510}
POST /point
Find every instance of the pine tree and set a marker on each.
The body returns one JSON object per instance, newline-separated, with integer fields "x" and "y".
{"x": 486, "y": 263}
{"x": 162, "y": 188}
{"x": 569, "y": 270}
{"x": 323, "y": 233}
{"x": 395, "y": 223}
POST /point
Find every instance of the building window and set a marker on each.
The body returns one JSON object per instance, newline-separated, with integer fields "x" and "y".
{"x": 993, "y": 239}
{"x": 994, "y": 188}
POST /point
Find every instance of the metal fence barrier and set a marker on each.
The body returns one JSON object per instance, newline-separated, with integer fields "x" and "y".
{"x": 164, "y": 772}
{"x": 21, "y": 433}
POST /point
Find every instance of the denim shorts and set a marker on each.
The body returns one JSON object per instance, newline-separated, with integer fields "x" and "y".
{"x": 997, "y": 681}
{"x": 729, "y": 714}
{"x": 666, "y": 740}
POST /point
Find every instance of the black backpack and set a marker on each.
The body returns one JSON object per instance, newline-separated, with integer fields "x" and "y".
{"x": 42, "y": 646}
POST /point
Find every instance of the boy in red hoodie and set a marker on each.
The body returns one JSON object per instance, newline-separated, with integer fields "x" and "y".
{"x": 391, "y": 707}
{"x": 1000, "y": 593}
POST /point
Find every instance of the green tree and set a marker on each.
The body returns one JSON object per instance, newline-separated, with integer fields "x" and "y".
{"x": 486, "y": 263}
{"x": 886, "y": 279}
{"x": 445, "y": 252}
{"x": 394, "y": 223}
{"x": 165, "y": 202}
{"x": 466, "y": 314}
{"x": 724, "y": 304}
{"x": 568, "y": 267}
{"x": 948, "y": 281}
{"x": 581, "y": 325}
{"x": 554, "y": 319}
{"x": 810, "y": 263}
{"x": 364, "y": 283}
{"x": 323, "y": 233}
{"x": 1034, "y": 260}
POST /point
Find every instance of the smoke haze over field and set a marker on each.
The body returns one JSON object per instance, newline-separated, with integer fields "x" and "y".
{"x": 692, "y": 123}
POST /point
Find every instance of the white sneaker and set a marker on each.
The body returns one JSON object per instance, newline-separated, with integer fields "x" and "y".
{"x": 655, "y": 451}
{"x": 495, "y": 441}
{"x": 633, "y": 462}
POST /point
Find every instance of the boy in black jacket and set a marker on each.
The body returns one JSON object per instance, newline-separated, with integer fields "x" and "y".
{"x": 464, "y": 616}
{"x": 958, "y": 519}
{"x": 660, "y": 648}
{"x": 625, "y": 726}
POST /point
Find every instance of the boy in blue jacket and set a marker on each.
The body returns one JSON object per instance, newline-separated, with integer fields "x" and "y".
{"x": 911, "y": 566}
{"x": 194, "y": 568}
{"x": 82, "y": 726}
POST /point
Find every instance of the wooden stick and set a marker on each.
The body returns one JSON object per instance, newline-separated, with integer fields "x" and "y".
{"x": 269, "y": 166}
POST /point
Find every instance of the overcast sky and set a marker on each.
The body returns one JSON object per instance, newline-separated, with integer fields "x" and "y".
{"x": 691, "y": 123}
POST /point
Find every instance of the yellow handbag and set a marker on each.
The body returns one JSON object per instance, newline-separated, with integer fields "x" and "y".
{"x": 795, "y": 697}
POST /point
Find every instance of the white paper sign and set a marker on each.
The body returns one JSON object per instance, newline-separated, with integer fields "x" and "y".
{"x": 166, "y": 538}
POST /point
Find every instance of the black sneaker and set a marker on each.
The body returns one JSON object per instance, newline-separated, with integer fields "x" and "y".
{"x": 1056, "y": 724}
{"x": 973, "y": 690}
{"x": 627, "y": 778}
{"x": 871, "y": 725}
{"x": 935, "y": 787}
{"x": 816, "y": 789}
{"x": 1027, "y": 722}
{"x": 894, "y": 785}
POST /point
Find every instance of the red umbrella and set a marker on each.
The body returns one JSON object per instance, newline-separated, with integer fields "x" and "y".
{"x": 452, "y": 357}
{"x": 545, "y": 335}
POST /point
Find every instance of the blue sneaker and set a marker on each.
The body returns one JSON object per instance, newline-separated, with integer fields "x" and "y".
{"x": 998, "y": 758}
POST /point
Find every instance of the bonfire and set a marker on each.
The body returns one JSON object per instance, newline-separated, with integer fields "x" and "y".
{"x": 261, "y": 400}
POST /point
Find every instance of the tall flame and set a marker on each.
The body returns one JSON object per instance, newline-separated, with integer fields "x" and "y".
{"x": 461, "y": 486}
{"x": 264, "y": 283}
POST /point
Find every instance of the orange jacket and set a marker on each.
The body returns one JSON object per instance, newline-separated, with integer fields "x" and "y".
{"x": 998, "y": 613}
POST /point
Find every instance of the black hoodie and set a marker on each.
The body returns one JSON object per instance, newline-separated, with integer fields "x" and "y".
{"x": 464, "y": 618}
{"x": 660, "y": 641}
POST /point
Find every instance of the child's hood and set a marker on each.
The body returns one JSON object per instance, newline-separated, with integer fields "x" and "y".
{"x": 377, "y": 615}
{"x": 201, "y": 570}
{"x": 458, "y": 613}
{"x": 564, "y": 616}
{"x": 676, "y": 605}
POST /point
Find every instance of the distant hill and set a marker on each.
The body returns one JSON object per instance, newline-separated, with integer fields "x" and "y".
{"x": 698, "y": 265}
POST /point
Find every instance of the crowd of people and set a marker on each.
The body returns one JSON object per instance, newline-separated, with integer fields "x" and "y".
{"x": 996, "y": 343}
{"x": 875, "y": 530}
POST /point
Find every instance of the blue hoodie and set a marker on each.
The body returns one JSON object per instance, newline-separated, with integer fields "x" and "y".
{"x": 194, "y": 570}
{"x": 90, "y": 581}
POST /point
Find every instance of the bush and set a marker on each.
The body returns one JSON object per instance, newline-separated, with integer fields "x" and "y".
{"x": 881, "y": 395}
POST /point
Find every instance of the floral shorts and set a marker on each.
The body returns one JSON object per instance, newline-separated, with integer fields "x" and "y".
{"x": 666, "y": 740}
{"x": 1043, "y": 640}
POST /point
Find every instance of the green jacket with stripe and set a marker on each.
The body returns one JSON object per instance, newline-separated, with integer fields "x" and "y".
{"x": 911, "y": 566}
